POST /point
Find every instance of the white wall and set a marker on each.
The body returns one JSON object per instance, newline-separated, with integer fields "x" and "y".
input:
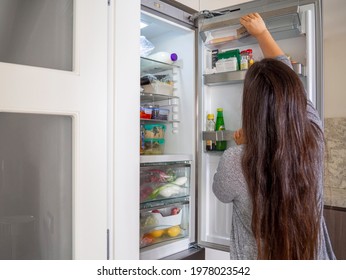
{"x": 334, "y": 32}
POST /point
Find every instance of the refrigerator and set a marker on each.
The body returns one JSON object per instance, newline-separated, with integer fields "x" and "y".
{"x": 178, "y": 214}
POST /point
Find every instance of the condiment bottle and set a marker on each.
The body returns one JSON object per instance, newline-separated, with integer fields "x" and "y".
{"x": 244, "y": 63}
{"x": 210, "y": 144}
{"x": 220, "y": 125}
{"x": 251, "y": 60}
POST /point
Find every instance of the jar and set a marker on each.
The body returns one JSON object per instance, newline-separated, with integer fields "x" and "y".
{"x": 244, "y": 60}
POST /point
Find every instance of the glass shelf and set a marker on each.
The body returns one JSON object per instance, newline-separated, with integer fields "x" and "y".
{"x": 164, "y": 202}
{"x": 150, "y": 66}
{"x": 158, "y": 121}
{"x": 153, "y": 97}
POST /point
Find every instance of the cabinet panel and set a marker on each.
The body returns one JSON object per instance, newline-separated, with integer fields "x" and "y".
{"x": 336, "y": 224}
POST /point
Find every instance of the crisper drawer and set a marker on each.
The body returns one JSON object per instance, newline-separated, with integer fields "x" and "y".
{"x": 163, "y": 181}
{"x": 164, "y": 223}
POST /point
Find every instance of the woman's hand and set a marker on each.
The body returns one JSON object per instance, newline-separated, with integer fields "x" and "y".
{"x": 239, "y": 137}
{"x": 255, "y": 25}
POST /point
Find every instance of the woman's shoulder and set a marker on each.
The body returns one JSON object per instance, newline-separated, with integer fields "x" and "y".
{"x": 313, "y": 114}
{"x": 234, "y": 151}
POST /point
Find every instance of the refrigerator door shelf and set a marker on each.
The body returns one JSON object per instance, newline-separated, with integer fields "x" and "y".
{"x": 221, "y": 135}
{"x": 224, "y": 78}
{"x": 226, "y": 32}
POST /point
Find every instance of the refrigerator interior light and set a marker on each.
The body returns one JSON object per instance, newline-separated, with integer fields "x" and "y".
{"x": 143, "y": 24}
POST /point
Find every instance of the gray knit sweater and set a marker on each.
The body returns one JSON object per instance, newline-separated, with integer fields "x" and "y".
{"x": 230, "y": 186}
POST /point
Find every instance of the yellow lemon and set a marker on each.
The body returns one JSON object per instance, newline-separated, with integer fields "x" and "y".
{"x": 174, "y": 231}
{"x": 156, "y": 233}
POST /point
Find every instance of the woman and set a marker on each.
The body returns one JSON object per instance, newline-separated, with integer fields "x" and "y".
{"x": 275, "y": 179}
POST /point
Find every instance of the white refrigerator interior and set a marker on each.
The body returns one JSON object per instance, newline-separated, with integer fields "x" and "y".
{"x": 179, "y": 134}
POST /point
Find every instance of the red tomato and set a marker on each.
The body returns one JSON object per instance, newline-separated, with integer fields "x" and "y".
{"x": 175, "y": 211}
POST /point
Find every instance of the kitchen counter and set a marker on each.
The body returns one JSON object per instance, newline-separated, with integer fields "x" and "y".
{"x": 335, "y": 162}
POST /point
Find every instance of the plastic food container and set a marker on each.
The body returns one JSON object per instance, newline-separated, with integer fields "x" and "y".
{"x": 153, "y": 146}
{"x": 163, "y": 224}
{"x": 163, "y": 114}
{"x": 154, "y": 131}
{"x": 158, "y": 87}
{"x": 146, "y": 113}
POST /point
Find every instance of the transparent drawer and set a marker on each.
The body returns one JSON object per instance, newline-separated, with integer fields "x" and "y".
{"x": 164, "y": 224}
{"x": 164, "y": 181}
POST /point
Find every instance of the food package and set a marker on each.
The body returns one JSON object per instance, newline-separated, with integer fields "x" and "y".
{"x": 146, "y": 47}
{"x": 158, "y": 84}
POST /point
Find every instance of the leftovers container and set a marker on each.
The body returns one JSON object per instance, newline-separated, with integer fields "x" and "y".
{"x": 163, "y": 114}
{"x": 153, "y": 146}
{"x": 154, "y": 113}
{"x": 145, "y": 113}
{"x": 154, "y": 131}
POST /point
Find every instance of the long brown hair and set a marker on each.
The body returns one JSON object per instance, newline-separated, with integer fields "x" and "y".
{"x": 280, "y": 161}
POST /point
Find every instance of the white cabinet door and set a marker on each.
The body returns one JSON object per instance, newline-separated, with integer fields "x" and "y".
{"x": 80, "y": 93}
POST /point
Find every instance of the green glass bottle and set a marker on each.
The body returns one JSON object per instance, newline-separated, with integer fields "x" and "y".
{"x": 220, "y": 125}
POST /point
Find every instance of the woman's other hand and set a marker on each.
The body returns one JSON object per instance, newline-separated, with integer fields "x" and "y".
{"x": 239, "y": 137}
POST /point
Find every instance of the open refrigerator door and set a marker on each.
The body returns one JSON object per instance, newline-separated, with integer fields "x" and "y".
{"x": 177, "y": 208}
{"x": 295, "y": 26}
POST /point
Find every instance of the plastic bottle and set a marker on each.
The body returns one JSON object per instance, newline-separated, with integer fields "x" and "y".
{"x": 251, "y": 60}
{"x": 210, "y": 144}
{"x": 165, "y": 57}
{"x": 220, "y": 125}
